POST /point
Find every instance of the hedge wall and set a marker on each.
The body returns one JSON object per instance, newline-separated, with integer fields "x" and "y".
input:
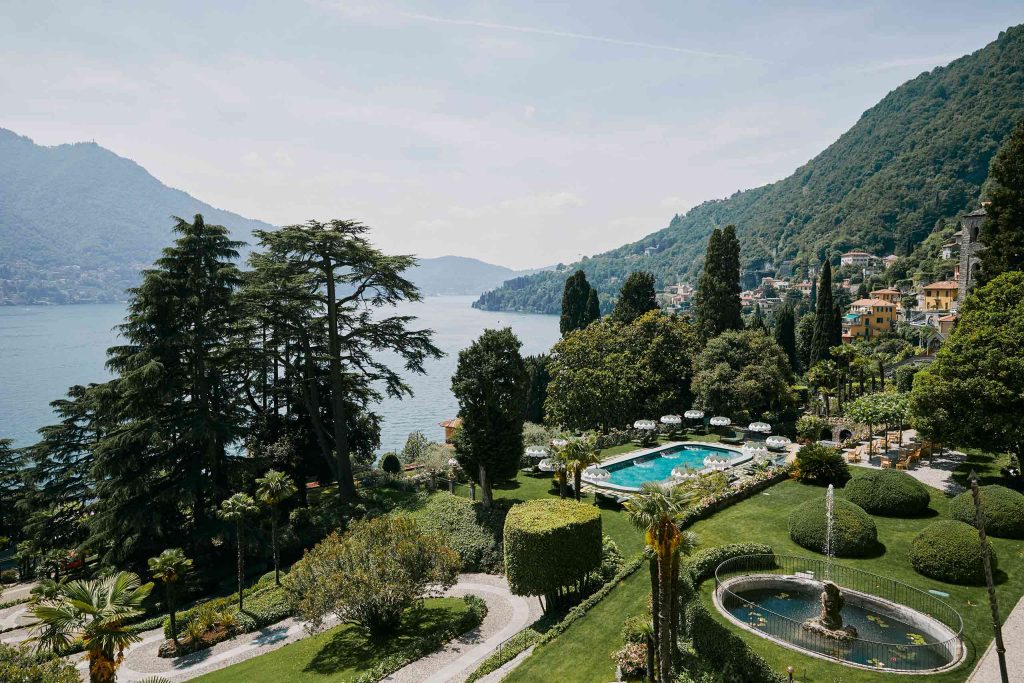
{"x": 889, "y": 493}
{"x": 704, "y": 562}
{"x": 1002, "y": 509}
{"x": 854, "y": 531}
{"x": 550, "y": 544}
{"x": 725, "y": 650}
{"x": 950, "y": 551}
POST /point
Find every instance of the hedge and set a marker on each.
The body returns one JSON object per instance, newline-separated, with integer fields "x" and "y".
{"x": 889, "y": 493}
{"x": 950, "y": 551}
{"x": 550, "y": 544}
{"x": 703, "y": 563}
{"x": 458, "y": 521}
{"x": 1001, "y": 508}
{"x": 725, "y": 650}
{"x": 854, "y": 532}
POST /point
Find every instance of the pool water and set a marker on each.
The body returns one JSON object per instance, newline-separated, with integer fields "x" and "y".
{"x": 882, "y": 640}
{"x": 658, "y": 466}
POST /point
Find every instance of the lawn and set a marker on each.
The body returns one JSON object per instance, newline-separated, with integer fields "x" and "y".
{"x": 763, "y": 519}
{"x": 341, "y": 653}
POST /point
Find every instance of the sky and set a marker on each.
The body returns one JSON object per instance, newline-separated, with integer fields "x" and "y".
{"x": 521, "y": 133}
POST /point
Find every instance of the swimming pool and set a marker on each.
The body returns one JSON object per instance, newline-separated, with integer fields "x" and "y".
{"x": 657, "y": 465}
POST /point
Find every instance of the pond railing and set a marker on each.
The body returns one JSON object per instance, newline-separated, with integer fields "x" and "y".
{"x": 887, "y": 656}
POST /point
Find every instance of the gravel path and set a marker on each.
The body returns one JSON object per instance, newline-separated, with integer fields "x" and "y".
{"x": 987, "y": 670}
{"x": 506, "y": 615}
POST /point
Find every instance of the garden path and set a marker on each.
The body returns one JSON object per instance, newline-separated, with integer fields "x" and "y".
{"x": 507, "y": 614}
{"x": 987, "y": 670}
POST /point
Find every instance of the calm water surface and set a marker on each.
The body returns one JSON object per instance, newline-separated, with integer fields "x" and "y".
{"x": 46, "y": 349}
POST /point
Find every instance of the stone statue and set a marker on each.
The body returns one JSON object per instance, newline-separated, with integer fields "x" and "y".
{"x": 829, "y": 621}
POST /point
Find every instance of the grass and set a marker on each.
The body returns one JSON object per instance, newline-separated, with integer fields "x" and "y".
{"x": 341, "y": 653}
{"x": 764, "y": 519}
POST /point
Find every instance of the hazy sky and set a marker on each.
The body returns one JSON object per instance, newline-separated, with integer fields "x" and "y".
{"x": 522, "y": 133}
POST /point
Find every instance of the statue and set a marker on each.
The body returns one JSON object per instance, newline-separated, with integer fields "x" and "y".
{"x": 829, "y": 621}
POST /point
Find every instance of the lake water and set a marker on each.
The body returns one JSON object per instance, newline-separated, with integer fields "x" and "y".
{"x": 46, "y": 349}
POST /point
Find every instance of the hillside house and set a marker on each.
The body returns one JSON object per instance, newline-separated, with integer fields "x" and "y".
{"x": 856, "y": 258}
{"x": 867, "y": 319}
{"x": 940, "y": 296}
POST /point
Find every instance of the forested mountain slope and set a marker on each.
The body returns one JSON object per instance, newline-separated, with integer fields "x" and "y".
{"x": 919, "y": 155}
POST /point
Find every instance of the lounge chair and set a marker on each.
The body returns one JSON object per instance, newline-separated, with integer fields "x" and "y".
{"x": 885, "y": 463}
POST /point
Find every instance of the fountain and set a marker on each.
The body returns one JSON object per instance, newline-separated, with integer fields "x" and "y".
{"x": 829, "y": 622}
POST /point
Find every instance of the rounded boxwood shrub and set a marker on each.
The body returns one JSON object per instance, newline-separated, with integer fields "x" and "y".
{"x": 890, "y": 493}
{"x": 550, "y": 544}
{"x": 853, "y": 529}
{"x": 390, "y": 463}
{"x": 1002, "y": 509}
{"x": 949, "y": 551}
{"x": 463, "y": 526}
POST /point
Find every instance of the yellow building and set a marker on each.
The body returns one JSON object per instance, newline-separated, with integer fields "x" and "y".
{"x": 867, "y": 319}
{"x": 940, "y": 296}
{"x": 889, "y": 294}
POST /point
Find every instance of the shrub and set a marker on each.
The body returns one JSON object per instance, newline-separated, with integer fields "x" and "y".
{"x": 950, "y": 551}
{"x": 9, "y": 576}
{"x": 370, "y": 575}
{"x": 391, "y": 463}
{"x": 724, "y": 650}
{"x": 459, "y": 522}
{"x": 823, "y": 465}
{"x": 812, "y": 427}
{"x": 704, "y": 562}
{"x": 636, "y": 629}
{"x": 889, "y": 493}
{"x": 22, "y": 664}
{"x": 612, "y": 560}
{"x": 632, "y": 661}
{"x": 1001, "y": 508}
{"x": 550, "y": 544}
{"x": 854, "y": 532}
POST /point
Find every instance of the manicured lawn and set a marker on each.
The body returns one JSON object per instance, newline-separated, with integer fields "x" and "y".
{"x": 341, "y": 653}
{"x": 583, "y": 653}
{"x": 764, "y": 519}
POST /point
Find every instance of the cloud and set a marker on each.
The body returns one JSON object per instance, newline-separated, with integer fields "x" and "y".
{"x": 527, "y": 205}
{"x": 529, "y": 110}
{"x": 928, "y": 62}
{"x": 675, "y": 204}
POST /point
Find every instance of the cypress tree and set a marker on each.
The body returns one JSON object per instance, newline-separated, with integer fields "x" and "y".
{"x": 785, "y": 334}
{"x": 757, "y": 320}
{"x": 593, "y": 307}
{"x": 574, "y": 303}
{"x": 538, "y": 377}
{"x": 814, "y": 296}
{"x": 717, "y": 305}
{"x": 824, "y": 317}
{"x": 732, "y": 308}
{"x": 636, "y": 297}
{"x": 835, "y": 335}
{"x": 1003, "y": 230}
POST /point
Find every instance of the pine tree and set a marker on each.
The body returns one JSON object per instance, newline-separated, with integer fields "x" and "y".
{"x": 824, "y": 317}
{"x": 717, "y": 305}
{"x": 162, "y": 465}
{"x": 636, "y": 297}
{"x": 785, "y": 334}
{"x": 1003, "y": 230}
{"x": 11, "y": 486}
{"x": 574, "y": 303}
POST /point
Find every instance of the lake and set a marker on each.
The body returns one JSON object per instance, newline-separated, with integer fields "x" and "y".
{"x": 46, "y": 349}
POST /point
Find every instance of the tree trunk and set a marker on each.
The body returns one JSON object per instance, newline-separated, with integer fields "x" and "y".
{"x": 577, "y": 482}
{"x": 102, "y": 669}
{"x": 170, "y": 614}
{"x": 665, "y": 618}
{"x": 486, "y": 497}
{"x": 674, "y": 606}
{"x": 241, "y": 565}
{"x": 346, "y": 482}
{"x": 561, "y": 483}
{"x": 273, "y": 546}
{"x": 655, "y": 606}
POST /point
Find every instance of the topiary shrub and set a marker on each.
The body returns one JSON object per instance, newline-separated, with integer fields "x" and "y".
{"x": 889, "y": 493}
{"x": 550, "y": 544}
{"x": 822, "y": 465}
{"x": 459, "y": 521}
{"x": 949, "y": 551}
{"x": 853, "y": 529}
{"x": 391, "y": 463}
{"x": 1001, "y": 508}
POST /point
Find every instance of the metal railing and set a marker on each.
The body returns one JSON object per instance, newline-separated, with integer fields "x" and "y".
{"x": 889, "y": 656}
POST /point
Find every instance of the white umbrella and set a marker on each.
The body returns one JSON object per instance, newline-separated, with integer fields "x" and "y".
{"x": 720, "y": 421}
{"x": 644, "y": 424}
{"x": 547, "y": 465}
{"x": 559, "y": 443}
{"x": 778, "y": 442}
{"x": 694, "y": 414}
{"x": 671, "y": 420}
{"x": 683, "y": 473}
{"x": 594, "y": 473}
{"x": 536, "y": 452}
{"x": 760, "y": 427}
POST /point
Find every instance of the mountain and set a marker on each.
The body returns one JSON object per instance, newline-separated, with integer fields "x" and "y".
{"x": 77, "y": 222}
{"x": 458, "y": 275}
{"x": 916, "y": 158}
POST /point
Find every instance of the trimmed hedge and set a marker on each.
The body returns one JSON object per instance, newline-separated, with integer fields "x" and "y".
{"x": 703, "y": 563}
{"x": 950, "y": 551}
{"x": 550, "y": 544}
{"x": 458, "y": 521}
{"x": 854, "y": 530}
{"x": 889, "y": 493}
{"x": 725, "y": 650}
{"x": 1001, "y": 508}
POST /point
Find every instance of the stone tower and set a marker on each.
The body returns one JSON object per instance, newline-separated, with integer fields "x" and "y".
{"x": 970, "y": 230}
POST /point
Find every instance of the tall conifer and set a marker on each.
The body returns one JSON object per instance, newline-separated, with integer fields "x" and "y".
{"x": 575, "y": 298}
{"x": 824, "y": 317}
{"x": 717, "y": 305}
{"x": 785, "y": 334}
{"x": 636, "y": 297}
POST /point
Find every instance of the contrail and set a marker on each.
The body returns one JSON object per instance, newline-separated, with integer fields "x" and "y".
{"x": 577, "y": 36}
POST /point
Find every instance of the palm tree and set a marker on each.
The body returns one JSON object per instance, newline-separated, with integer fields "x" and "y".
{"x": 561, "y": 461}
{"x": 236, "y": 510}
{"x": 93, "y": 611}
{"x": 578, "y": 456}
{"x": 655, "y": 511}
{"x": 169, "y": 567}
{"x": 273, "y": 489}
